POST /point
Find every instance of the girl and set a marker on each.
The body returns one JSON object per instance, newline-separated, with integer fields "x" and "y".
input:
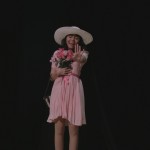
{"x": 67, "y": 95}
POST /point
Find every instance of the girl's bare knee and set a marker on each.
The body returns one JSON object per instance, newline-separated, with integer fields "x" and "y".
{"x": 59, "y": 126}
{"x": 73, "y": 130}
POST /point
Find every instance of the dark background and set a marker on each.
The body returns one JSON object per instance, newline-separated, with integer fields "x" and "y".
{"x": 115, "y": 77}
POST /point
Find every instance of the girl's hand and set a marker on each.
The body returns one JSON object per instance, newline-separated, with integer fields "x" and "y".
{"x": 63, "y": 71}
{"x": 77, "y": 53}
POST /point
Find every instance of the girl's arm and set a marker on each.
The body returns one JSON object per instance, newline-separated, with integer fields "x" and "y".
{"x": 53, "y": 73}
{"x": 57, "y": 72}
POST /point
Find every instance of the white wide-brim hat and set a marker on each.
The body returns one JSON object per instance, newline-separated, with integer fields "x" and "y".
{"x": 62, "y": 32}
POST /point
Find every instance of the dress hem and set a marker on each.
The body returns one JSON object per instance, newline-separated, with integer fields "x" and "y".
{"x": 66, "y": 122}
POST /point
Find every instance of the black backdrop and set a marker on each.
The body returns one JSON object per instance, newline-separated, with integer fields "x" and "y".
{"x": 114, "y": 78}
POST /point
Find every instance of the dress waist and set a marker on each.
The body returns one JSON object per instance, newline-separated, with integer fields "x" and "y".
{"x": 66, "y": 77}
{"x": 73, "y": 74}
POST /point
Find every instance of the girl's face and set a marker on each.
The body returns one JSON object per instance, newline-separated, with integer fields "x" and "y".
{"x": 72, "y": 40}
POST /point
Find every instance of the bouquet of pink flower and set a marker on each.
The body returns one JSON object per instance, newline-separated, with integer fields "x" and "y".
{"x": 63, "y": 58}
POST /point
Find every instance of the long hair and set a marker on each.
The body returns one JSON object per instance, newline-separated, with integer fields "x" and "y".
{"x": 81, "y": 43}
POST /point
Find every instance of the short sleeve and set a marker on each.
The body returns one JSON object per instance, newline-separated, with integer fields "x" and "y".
{"x": 53, "y": 59}
{"x": 85, "y": 54}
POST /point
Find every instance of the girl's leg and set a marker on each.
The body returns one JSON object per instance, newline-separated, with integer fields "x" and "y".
{"x": 59, "y": 134}
{"x": 73, "y": 133}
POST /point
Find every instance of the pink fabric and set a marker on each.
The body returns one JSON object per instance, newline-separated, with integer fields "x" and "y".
{"x": 67, "y": 98}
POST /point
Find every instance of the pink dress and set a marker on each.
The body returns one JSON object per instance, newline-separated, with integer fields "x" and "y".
{"x": 67, "y": 97}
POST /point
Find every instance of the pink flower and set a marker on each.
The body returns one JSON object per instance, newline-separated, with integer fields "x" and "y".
{"x": 69, "y": 55}
{"x": 63, "y": 58}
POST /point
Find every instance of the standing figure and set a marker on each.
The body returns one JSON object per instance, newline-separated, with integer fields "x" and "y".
{"x": 67, "y": 106}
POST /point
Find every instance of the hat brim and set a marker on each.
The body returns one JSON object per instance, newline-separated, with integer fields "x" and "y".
{"x": 62, "y": 32}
